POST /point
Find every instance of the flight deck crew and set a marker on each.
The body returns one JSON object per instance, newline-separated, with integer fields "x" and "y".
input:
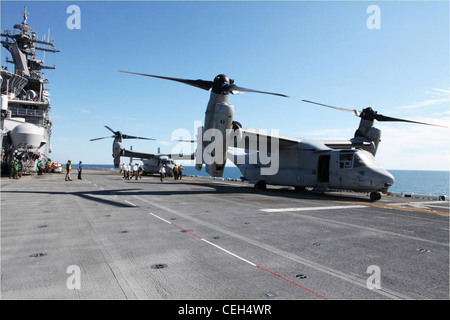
{"x": 39, "y": 167}
{"x": 162, "y": 171}
{"x": 175, "y": 172}
{"x": 126, "y": 171}
{"x": 68, "y": 169}
{"x": 130, "y": 171}
{"x": 12, "y": 168}
{"x": 135, "y": 171}
{"x": 140, "y": 171}
{"x": 180, "y": 171}
{"x": 80, "y": 170}
{"x": 19, "y": 165}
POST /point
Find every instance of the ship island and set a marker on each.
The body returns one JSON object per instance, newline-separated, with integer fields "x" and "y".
{"x": 26, "y": 124}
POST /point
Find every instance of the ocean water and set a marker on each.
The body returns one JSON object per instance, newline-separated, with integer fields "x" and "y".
{"x": 435, "y": 183}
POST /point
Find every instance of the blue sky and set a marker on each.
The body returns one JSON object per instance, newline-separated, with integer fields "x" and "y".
{"x": 320, "y": 51}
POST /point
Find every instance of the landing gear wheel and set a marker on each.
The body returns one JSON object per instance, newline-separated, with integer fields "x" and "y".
{"x": 375, "y": 196}
{"x": 300, "y": 189}
{"x": 260, "y": 185}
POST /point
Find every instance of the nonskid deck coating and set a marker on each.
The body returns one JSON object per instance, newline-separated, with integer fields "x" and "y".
{"x": 203, "y": 239}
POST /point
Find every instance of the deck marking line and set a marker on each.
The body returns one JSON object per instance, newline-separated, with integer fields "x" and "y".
{"x": 292, "y": 282}
{"x": 235, "y": 255}
{"x": 435, "y": 206}
{"x": 335, "y": 273}
{"x": 442, "y": 213}
{"x": 311, "y": 208}
{"x": 186, "y": 230}
{"x": 191, "y": 233}
{"x": 177, "y": 226}
{"x": 264, "y": 269}
{"x": 229, "y": 252}
{"x": 130, "y": 203}
{"x": 152, "y": 214}
{"x": 226, "y": 251}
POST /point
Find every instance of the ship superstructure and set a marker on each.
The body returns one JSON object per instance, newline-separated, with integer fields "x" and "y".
{"x": 25, "y": 104}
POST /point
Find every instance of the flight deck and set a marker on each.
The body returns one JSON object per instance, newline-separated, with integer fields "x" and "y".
{"x": 104, "y": 237}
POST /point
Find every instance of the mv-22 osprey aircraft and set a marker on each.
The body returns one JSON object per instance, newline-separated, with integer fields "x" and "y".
{"x": 151, "y": 162}
{"x": 301, "y": 163}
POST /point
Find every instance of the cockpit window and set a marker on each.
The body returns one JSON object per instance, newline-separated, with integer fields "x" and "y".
{"x": 363, "y": 159}
{"x": 345, "y": 160}
{"x": 355, "y": 159}
{"x": 358, "y": 162}
{"x": 366, "y": 158}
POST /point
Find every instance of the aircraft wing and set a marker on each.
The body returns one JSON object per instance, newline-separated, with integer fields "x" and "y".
{"x": 253, "y": 139}
{"x": 177, "y": 156}
{"x": 142, "y": 155}
{"x": 294, "y": 143}
{"x": 137, "y": 155}
{"x": 348, "y": 144}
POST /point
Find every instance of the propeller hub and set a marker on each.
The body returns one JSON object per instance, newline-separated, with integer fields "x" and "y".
{"x": 222, "y": 84}
{"x": 368, "y": 114}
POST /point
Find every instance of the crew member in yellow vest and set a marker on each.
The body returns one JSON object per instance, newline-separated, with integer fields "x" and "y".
{"x": 180, "y": 171}
{"x": 175, "y": 172}
{"x": 68, "y": 169}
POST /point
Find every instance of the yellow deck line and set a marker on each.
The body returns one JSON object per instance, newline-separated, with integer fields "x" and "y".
{"x": 379, "y": 205}
{"x": 442, "y": 213}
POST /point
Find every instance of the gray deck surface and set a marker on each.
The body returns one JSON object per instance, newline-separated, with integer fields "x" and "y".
{"x": 207, "y": 239}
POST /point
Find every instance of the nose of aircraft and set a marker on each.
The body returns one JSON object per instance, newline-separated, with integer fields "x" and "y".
{"x": 382, "y": 178}
{"x": 388, "y": 178}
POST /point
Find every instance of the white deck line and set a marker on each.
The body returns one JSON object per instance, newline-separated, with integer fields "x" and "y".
{"x": 312, "y": 208}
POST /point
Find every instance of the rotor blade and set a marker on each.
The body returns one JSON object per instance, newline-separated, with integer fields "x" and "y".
{"x": 125, "y": 136}
{"x": 102, "y": 138}
{"x": 380, "y": 117}
{"x": 354, "y": 112}
{"x": 110, "y": 129}
{"x": 376, "y": 116}
{"x": 237, "y": 90}
{"x": 202, "y": 84}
